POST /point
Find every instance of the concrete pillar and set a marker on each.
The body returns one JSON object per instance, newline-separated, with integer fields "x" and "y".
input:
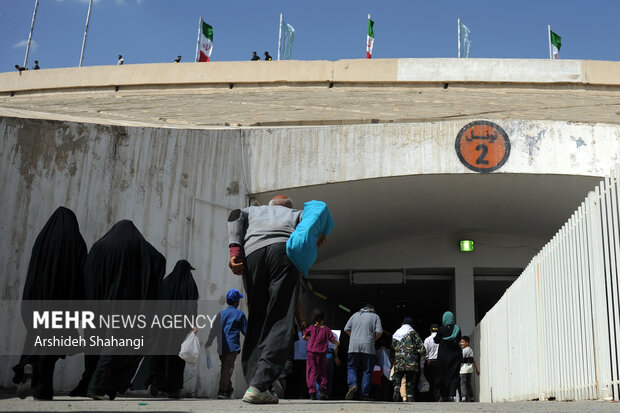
{"x": 464, "y": 298}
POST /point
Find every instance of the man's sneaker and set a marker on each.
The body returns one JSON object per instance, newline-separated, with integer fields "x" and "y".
{"x": 222, "y": 394}
{"x": 23, "y": 388}
{"x": 396, "y": 394}
{"x": 278, "y": 389}
{"x": 366, "y": 398}
{"x": 351, "y": 393}
{"x": 255, "y": 396}
{"x": 312, "y": 396}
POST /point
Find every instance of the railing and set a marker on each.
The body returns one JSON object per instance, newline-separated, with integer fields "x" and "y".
{"x": 555, "y": 332}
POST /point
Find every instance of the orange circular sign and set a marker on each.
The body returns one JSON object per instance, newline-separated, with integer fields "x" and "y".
{"x": 482, "y": 146}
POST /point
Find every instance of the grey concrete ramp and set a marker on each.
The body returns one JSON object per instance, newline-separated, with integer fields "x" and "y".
{"x": 136, "y": 405}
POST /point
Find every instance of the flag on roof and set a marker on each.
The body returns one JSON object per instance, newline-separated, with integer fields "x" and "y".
{"x": 556, "y": 43}
{"x": 464, "y": 40}
{"x": 287, "y": 41}
{"x": 370, "y": 39}
{"x": 206, "y": 42}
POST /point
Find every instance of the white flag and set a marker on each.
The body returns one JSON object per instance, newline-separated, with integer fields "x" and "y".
{"x": 287, "y": 41}
{"x": 465, "y": 41}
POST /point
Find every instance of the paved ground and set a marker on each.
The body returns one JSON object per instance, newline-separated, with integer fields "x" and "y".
{"x": 132, "y": 404}
{"x": 268, "y": 105}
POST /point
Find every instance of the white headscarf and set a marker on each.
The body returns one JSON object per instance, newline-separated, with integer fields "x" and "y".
{"x": 402, "y": 332}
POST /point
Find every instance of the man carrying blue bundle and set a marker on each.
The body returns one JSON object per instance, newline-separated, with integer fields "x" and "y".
{"x": 257, "y": 241}
{"x": 316, "y": 224}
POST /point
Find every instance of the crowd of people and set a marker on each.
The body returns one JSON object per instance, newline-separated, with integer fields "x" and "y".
{"x": 120, "y": 61}
{"x": 271, "y": 246}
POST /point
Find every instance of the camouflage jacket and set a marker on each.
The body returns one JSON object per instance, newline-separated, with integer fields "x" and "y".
{"x": 407, "y": 352}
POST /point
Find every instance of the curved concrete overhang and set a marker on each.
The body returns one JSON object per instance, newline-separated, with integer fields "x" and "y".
{"x": 440, "y": 210}
{"x": 280, "y": 158}
{"x": 311, "y": 93}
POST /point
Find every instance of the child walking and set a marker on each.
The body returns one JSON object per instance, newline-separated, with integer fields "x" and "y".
{"x": 319, "y": 336}
{"x": 467, "y": 370}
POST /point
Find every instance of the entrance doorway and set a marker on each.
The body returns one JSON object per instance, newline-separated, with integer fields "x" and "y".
{"x": 422, "y": 294}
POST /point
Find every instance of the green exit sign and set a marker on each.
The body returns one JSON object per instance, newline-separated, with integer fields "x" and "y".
{"x": 467, "y": 246}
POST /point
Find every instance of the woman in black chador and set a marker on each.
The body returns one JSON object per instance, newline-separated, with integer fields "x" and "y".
{"x": 121, "y": 265}
{"x": 180, "y": 293}
{"x": 54, "y": 273}
{"x": 449, "y": 357}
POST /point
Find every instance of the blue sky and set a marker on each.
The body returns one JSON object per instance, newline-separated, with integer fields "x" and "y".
{"x": 156, "y": 31}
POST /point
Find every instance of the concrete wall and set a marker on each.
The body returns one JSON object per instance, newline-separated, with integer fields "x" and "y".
{"x": 177, "y": 186}
{"x": 534, "y": 71}
{"x": 291, "y": 157}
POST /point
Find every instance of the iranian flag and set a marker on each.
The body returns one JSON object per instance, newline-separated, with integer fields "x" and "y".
{"x": 556, "y": 43}
{"x": 370, "y": 39}
{"x": 206, "y": 42}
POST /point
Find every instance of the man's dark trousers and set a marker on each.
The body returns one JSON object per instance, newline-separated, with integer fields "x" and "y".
{"x": 271, "y": 284}
{"x": 430, "y": 372}
{"x": 361, "y": 363}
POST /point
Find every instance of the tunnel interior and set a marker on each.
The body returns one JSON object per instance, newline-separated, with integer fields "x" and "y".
{"x": 423, "y": 295}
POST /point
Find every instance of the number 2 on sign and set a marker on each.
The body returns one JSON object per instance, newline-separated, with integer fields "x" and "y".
{"x": 484, "y": 150}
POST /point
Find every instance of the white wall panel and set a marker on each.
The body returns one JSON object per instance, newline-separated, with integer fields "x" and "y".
{"x": 554, "y": 332}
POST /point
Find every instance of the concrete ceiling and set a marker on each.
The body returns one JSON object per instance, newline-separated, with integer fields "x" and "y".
{"x": 532, "y": 206}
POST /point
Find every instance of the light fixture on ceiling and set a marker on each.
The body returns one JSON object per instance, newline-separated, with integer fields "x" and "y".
{"x": 467, "y": 245}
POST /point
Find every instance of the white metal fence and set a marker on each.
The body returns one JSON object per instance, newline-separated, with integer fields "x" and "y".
{"x": 555, "y": 332}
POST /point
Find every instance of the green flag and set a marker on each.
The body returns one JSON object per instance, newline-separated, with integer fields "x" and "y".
{"x": 556, "y": 43}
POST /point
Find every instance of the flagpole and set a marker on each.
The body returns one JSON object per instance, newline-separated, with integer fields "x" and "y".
{"x": 458, "y": 36}
{"x": 280, "y": 36}
{"x": 198, "y": 41}
{"x": 549, "y": 35}
{"x": 34, "y": 15}
{"x": 90, "y": 5}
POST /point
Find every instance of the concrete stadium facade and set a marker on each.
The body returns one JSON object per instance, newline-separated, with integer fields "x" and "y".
{"x": 175, "y": 147}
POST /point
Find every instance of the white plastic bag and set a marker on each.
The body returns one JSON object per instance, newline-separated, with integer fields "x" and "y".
{"x": 190, "y": 348}
{"x": 423, "y": 385}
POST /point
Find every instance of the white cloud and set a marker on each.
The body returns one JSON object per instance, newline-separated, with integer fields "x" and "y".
{"x": 23, "y": 43}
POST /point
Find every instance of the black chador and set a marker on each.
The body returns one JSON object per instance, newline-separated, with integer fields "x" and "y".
{"x": 121, "y": 265}
{"x": 55, "y": 272}
{"x": 180, "y": 293}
